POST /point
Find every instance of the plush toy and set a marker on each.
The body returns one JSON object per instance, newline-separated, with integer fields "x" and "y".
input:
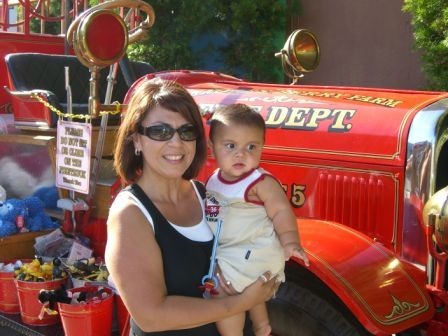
{"x": 29, "y": 214}
{"x": 48, "y": 195}
{"x": 7, "y": 228}
{"x": 10, "y": 211}
{"x": 23, "y": 171}
{"x": 55, "y": 295}
{"x": 36, "y": 218}
{"x": 2, "y": 194}
{"x": 49, "y": 299}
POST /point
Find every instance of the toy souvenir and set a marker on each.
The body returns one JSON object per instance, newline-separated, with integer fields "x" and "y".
{"x": 49, "y": 299}
{"x": 37, "y": 219}
{"x": 10, "y": 211}
{"x": 48, "y": 195}
{"x": 15, "y": 179}
{"x": 2, "y": 194}
{"x": 38, "y": 271}
{"x": 23, "y": 172}
{"x": 29, "y": 214}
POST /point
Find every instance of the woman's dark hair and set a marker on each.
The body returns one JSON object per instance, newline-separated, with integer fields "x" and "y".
{"x": 147, "y": 95}
{"x": 239, "y": 114}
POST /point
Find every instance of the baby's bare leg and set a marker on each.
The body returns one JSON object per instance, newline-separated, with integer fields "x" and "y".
{"x": 260, "y": 320}
{"x": 233, "y": 325}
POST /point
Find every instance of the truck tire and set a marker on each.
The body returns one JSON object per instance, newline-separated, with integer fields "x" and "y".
{"x": 305, "y": 306}
{"x": 297, "y": 311}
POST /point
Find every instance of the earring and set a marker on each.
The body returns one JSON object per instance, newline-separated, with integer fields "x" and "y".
{"x": 138, "y": 152}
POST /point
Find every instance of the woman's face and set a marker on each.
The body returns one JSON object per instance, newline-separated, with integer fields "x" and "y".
{"x": 170, "y": 158}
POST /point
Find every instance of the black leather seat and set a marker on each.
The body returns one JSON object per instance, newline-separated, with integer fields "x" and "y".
{"x": 45, "y": 72}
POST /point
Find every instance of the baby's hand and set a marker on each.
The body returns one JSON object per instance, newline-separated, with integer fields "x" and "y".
{"x": 294, "y": 250}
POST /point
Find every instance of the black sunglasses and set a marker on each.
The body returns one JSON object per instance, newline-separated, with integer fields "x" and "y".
{"x": 164, "y": 132}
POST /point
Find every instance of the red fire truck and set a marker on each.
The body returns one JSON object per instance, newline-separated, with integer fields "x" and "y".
{"x": 366, "y": 170}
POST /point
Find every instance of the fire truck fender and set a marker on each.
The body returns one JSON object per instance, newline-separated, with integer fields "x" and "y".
{"x": 385, "y": 294}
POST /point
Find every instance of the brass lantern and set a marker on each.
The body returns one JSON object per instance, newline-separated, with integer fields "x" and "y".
{"x": 301, "y": 53}
{"x": 437, "y": 206}
{"x": 100, "y": 37}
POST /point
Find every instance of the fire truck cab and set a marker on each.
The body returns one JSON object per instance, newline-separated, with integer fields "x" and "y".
{"x": 364, "y": 169}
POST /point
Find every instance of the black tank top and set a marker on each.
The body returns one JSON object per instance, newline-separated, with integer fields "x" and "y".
{"x": 185, "y": 262}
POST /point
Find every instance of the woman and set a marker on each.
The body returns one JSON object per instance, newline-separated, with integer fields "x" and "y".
{"x": 159, "y": 244}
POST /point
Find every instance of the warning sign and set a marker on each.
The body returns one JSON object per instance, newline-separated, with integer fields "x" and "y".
{"x": 73, "y": 156}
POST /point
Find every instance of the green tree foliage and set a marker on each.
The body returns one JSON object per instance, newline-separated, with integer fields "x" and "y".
{"x": 430, "y": 21}
{"x": 242, "y": 34}
{"x": 52, "y": 15}
{"x": 52, "y": 10}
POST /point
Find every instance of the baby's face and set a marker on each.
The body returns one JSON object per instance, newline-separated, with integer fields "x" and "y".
{"x": 237, "y": 149}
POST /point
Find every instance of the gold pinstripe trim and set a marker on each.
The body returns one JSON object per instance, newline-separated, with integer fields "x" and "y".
{"x": 392, "y": 320}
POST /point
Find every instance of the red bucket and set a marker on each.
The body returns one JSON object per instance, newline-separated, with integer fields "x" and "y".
{"x": 122, "y": 316}
{"x": 9, "y": 301}
{"x": 89, "y": 319}
{"x": 30, "y": 306}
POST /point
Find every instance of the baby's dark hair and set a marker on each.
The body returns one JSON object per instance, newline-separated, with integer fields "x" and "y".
{"x": 239, "y": 114}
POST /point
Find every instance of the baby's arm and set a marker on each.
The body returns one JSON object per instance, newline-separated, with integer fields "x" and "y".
{"x": 271, "y": 193}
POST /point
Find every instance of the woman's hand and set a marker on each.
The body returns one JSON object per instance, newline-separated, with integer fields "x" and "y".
{"x": 224, "y": 284}
{"x": 262, "y": 290}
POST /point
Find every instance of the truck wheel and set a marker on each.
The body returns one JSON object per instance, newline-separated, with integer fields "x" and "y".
{"x": 297, "y": 311}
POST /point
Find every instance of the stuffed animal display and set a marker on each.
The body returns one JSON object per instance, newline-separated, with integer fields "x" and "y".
{"x": 48, "y": 195}
{"x": 9, "y": 212}
{"x": 26, "y": 189}
{"x": 21, "y": 215}
{"x": 2, "y": 194}
{"x": 24, "y": 169}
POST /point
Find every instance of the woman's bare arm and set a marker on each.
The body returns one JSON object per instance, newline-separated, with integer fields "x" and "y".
{"x": 134, "y": 260}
